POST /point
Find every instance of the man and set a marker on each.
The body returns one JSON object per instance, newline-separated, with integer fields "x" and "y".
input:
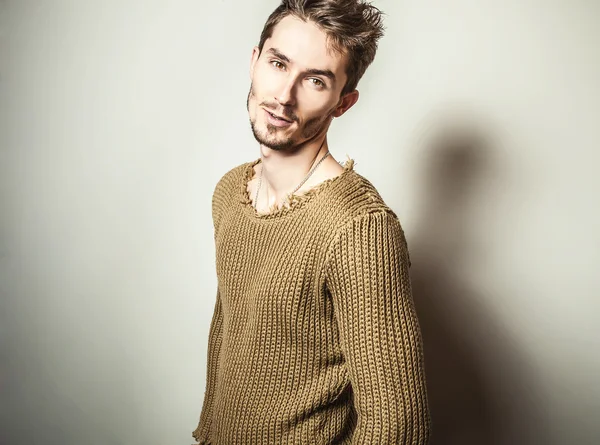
{"x": 314, "y": 337}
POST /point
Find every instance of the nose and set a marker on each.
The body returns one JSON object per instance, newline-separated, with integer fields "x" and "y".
{"x": 286, "y": 95}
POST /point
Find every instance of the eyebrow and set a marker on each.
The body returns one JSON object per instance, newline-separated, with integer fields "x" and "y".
{"x": 314, "y": 71}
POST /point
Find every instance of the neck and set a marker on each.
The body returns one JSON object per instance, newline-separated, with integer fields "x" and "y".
{"x": 283, "y": 170}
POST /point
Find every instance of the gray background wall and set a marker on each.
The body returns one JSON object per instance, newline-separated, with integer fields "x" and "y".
{"x": 478, "y": 123}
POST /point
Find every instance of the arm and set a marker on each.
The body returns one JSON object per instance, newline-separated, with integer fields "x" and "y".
{"x": 215, "y": 338}
{"x": 367, "y": 276}
{"x": 215, "y": 334}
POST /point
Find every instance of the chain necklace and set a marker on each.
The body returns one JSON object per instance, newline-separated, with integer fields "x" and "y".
{"x": 293, "y": 191}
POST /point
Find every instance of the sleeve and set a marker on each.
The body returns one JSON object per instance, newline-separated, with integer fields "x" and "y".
{"x": 367, "y": 277}
{"x": 215, "y": 339}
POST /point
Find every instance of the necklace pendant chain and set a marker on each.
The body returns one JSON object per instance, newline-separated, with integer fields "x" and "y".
{"x": 293, "y": 191}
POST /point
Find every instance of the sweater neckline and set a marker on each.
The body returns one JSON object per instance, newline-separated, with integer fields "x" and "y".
{"x": 297, "y": 200}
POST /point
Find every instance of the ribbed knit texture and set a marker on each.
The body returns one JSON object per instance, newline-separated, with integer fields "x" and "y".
{"x": 314, "y": 337}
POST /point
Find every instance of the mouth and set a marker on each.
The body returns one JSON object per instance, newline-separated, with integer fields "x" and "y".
{"x": 276, "y": 116}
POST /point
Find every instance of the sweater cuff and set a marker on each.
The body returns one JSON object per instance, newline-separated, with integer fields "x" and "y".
{"x": 201, "y": 435}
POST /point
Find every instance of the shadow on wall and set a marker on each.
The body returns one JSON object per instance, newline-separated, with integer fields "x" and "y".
{"x": 479, "y": 385}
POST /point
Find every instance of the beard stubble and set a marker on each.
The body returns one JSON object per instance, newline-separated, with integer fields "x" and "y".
{"x": 310, "y": 131}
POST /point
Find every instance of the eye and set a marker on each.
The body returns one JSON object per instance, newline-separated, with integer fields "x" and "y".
{"x": 277, "y": 64}
{"x": 317, "y": 82}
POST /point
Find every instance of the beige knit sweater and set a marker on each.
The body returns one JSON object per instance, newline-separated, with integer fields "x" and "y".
{"x": 314, "y": 337}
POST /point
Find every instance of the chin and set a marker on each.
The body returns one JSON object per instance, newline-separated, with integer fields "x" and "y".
{"x": 276, "y": 140}
{"x": 275, "y": 143}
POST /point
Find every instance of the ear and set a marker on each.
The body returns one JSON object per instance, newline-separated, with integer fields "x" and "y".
{"x": 346, "y": 102}
{"x": 254, "y": 57}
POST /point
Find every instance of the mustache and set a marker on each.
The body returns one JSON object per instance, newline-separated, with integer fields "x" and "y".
{"x": 286, "y": 112}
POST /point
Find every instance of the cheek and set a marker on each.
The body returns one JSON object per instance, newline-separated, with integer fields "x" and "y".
{"x": 265, "y": 82}
{"x": 316, "y": 110}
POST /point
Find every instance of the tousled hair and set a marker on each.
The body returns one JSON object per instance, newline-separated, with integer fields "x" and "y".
{"x": 352, "y": 26}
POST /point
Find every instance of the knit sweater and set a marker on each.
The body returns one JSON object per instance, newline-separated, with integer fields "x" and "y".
{"x": 314, "y": 338}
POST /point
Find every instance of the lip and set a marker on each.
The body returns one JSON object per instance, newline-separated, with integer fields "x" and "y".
{"x": 277, "y": 120}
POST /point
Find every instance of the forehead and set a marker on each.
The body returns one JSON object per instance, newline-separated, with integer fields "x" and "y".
{"x": 306, "y": 45}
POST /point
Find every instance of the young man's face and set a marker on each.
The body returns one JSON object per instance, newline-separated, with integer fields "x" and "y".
{"x": 295, "y": 88}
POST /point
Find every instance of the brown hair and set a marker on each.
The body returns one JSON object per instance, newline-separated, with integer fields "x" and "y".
{"x": 352, "y": 26}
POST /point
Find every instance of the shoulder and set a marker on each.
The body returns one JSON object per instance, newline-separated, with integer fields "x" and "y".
{"x": 356, "y": 198}
{"x": 356, "y": 206}
{"x": 231, "y": 179}
{"x": 228, "y": 189}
